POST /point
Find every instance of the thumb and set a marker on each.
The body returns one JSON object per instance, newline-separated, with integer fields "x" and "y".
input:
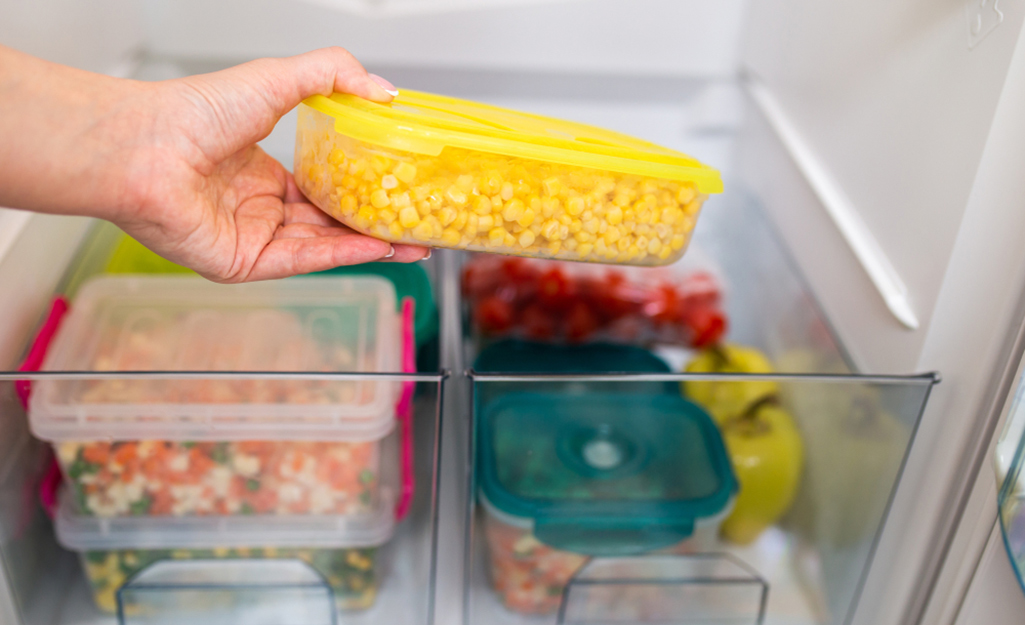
{"x": 291, "y": 80}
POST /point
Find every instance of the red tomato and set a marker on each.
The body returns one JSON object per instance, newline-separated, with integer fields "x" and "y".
{"x": 610, "y": 296}
{"x": 707, "y": 326}
{"x": 494, "y": 315}
{"x": 581, "y": 322}
{"x": 555, "y": 291}
{"x": 538, "y": 323}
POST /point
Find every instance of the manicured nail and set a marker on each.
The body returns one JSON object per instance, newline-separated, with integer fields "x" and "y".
{"x": 429, "y": 252}
{"x": 384, "y": 84}
{"x": 391, "y": 252}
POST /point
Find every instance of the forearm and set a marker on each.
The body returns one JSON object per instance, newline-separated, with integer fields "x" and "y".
{"x": 66, "y": 136}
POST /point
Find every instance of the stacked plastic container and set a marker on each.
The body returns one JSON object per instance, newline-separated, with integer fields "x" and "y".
{"x": 301, "y": 465}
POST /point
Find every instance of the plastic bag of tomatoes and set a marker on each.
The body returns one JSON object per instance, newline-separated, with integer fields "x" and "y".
{"x": 557, "y": 301}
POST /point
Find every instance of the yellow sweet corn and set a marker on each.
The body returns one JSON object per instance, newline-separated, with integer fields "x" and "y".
{"x": 488, "y": 202}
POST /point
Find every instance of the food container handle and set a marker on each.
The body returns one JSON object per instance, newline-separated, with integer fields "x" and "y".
{"x": 404, "y": 409}
{"x": 51, "y": 481}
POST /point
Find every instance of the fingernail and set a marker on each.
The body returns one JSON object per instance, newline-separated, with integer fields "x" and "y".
{"x": 384, "y": 84}
{"x": 391, "y": 252}
{"x": 429, "y": 252}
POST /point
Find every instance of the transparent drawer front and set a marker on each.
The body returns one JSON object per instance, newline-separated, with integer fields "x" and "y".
{"x": 588, "y": 487}
{"x": 227, "y": 592}
{"x": 692, "y": 589}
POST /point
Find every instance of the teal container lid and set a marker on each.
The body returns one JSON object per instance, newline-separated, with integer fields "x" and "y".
{"x": 410, "y": 280}
{"x": 603, "y": 474}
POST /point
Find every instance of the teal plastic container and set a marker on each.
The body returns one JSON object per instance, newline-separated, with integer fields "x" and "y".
{"x": 602, "y": 474}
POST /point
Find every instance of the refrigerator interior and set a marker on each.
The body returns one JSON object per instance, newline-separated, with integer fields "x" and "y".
{"x": 750, "y": 102}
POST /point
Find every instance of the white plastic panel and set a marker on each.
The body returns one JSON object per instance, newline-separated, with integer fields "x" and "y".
{"x": 593, "y": 36}
{"x": 896, "y": 108}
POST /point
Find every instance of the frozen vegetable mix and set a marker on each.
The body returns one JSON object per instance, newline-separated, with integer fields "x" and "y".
{"x": 436, "y": 171}
{"x": 351, "y": 573}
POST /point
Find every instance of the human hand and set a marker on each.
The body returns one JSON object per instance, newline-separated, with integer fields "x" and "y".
{"x": 175, "y": 164}
{"x": 207, "y": 197}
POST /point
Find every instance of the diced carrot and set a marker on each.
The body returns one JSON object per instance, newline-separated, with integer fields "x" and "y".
{"x": 96, "y": 453}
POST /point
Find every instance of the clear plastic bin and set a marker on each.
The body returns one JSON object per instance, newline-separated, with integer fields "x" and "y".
{"x": 430, "y": 170}
{"x": 344, "y": 549}
{"x": 167, "y": 446}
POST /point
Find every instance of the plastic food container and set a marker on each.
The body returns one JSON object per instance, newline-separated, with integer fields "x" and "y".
{"x": 564, "y": 477}
{"x": 344, "y": 549}
{"x": 432, "y": 170}
{"x": 572, "y": 302}
{"x": 409, "y": 279}
{"x": 147, "y": 446}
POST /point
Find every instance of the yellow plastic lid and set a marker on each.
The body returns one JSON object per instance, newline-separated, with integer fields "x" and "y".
{"x": 424, "y": 123}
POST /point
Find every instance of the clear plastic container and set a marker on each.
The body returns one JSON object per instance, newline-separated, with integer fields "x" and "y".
{"x": 166, "y": 446}
{"x": 566, "y": 477}
{"x": 437, "y": 171}
{"x": 555, "y": 301}
{"x": 344, "y": 549}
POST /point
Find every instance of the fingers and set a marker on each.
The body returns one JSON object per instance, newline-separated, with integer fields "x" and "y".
{"x": 324, "y": 71}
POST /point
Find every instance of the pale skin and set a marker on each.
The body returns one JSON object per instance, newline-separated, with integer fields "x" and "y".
{"x": 175, "y": 163}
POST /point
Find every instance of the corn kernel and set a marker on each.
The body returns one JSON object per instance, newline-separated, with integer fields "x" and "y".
{"x": 612, "y": 235}
{"x": 423, "y": 231}
{"x": 389, "y": 182}
{"x": 666, "y": 251}
{"x": 348, "y": 203}
{"x": 549, "y": 206}
{"x": 456, "y": 196}
{"x": 692, "y": 208}
{"x": 526, "y": 238}
{"x": 465, "y": 183}
{"x": 336, "y": 157}
{"x": 423, "y": 208}
{"x": 420, "y": 193}
{"x": 550, "y": 229}
{"x": 485, "y": 223}
{"x": 570, "y": 244}
{"x": 492, "y": 183}
{"x": 513, "y": 210}
{"x": 447, "y": 216}
{"x": 575, "y": 206}
{"x": 472, "y": 223}
{"x": 600, "y": 248}
{"x": 584, "y": 249}
{"x": 387, "y": 215}
{"x": 622, "y": 244}
{"x": 350, "y": 182}
{"x": 366, "y": 214}
{"x": 395, "y": 230}
{"x": 507, "y": 191}
{"x": 552, "y": 186}
{"x": 614, "y": 216}
{"x": 380, "y": 164}
{"x": 575, "y": 226}
{"x": 405, "y": 172}
{"x": 496, "y": 236}
{"x": 357, "y": 167}
{"x": 450, "y": 236}
{"x": 460, "y": 221}
{"x": 522, "y": 188}
{"x": 671, "y": 215}
{"x": 554, "y": 247}
{"x": 380, "y": 198}
{"x": 663, "y": 231}
{"x": 685, "y": 195}
{"x": 677, "y": 242}
{"x": 408, "y": 217}
{"x": 400, "y": 200}
{"x": 654, "y": 246}
{"x": 509, "y": 240}
{"x": 482, "y": 205}
{"x": 526, "y": 218}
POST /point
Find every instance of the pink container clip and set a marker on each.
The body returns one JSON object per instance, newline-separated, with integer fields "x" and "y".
{"x": 50, "y": 483}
